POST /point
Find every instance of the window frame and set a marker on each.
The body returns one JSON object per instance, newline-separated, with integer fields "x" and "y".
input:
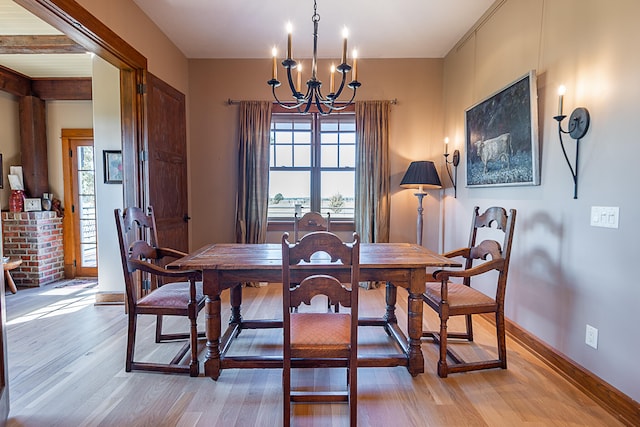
{"x": 315, "y": 170}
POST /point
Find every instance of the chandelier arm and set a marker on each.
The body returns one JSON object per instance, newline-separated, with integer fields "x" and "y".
{"x": 320, "y": 109}
{"x": 283, "y": 105}
{"x": 345, "y": 104}
{"x": 294, "y": 92}
{"x": 323, "y": 99}
{"x": 337, "y": 94}
{"x": 308, "y": 101}
{"x": 306, "y": 96}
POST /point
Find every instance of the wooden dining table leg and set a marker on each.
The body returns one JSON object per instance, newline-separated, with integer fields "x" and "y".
{"x": 236, "y": 302}
{"x": 213, "y": 326}
{"x": 391, "y": 298}
{"x": 416, "y": 289}
{"x": 213, "y": 329}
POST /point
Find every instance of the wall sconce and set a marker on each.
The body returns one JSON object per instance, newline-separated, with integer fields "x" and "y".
{"x": 421, "y": 174}
{"x": 578, "y": 126}
{"x": 455, "y": 161}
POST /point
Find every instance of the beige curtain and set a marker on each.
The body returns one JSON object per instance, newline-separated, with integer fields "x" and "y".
{"x": 253, "y": 172}
{"x": 372, "y": 204}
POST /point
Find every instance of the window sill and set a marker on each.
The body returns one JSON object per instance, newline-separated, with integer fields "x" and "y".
{"x": 285, "y": 225}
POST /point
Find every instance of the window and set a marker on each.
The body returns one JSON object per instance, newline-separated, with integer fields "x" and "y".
{"x": 312, "y": 165}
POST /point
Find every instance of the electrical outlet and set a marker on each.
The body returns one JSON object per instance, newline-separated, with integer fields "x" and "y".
{"x": 591, "y": 338}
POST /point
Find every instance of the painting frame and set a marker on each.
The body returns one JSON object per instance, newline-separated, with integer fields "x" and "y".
{"x": 112, "y": 161}
{"x": 501, "y": 137}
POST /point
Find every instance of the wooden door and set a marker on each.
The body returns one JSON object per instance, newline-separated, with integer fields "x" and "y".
{"x": 80, "y": 233}
{"x": 167, "y": 162}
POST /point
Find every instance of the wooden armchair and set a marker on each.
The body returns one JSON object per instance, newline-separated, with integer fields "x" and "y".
{"x": 455, "y": 299}
{"x": 166, "y": 292}
{"x": 320, "y": 339}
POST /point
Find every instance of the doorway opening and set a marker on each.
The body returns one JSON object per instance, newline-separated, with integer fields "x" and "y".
{"x": 80, "y": 233}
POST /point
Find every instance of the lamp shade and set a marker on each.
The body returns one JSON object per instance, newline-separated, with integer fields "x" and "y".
{"x": 422, "y": 173}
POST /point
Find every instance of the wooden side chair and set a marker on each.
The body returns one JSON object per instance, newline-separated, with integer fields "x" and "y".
{"x": 168, "y": 293}
{"x": 320, "y": 339}
{"x": 449, "y": 298}
{"x": 309, "y": 222}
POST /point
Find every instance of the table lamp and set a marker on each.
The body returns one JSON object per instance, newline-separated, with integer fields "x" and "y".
{"x": 419, "y": 175}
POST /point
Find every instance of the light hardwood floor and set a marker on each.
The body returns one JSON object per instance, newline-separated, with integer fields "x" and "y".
{"x": 66, "y": 368}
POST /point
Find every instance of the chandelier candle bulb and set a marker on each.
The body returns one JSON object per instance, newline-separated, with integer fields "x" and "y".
{"x": 561, "y": 91}
{"x": 345, "y": 33}
{"x": 289, "y": 31}
{"x": 299, "y": 67}
{"x": 355, "y": 65}
{"x": 274, "y": 72}
{"x": 332, "y": 85}
{"x": 446, "y": 145}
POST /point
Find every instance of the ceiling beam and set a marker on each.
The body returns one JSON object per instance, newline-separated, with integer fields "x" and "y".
{"x": 74, "y": 88}
{"x": 67, "y": 89}
{"x": 14, "y": 83}
{"x": 39, "y": 44}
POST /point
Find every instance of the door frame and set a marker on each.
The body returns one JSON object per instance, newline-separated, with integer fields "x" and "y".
{"x": 77, "y": 23}
{"x": 69, "y": 227}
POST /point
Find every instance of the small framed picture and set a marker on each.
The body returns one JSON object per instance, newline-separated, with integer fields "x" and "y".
{"x": 31, "y": 205}
{"x": 112, "y": 166}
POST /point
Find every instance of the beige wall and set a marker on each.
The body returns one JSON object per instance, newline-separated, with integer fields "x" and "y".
{"x": 59, "y": 114}
{"x": 9, "y": 142}
{"x": 107, "y": 135}
{"x": 416, "y": 124}
{"x": 63, "y": 115}
{"x": 126, "y": 19}
{"x": 564, "y": 273}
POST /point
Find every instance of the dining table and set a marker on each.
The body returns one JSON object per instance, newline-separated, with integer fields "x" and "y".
{"x": 230, "y": 265}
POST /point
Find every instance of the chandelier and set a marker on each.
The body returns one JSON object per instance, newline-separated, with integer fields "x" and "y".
{"x": 313, "y": 96}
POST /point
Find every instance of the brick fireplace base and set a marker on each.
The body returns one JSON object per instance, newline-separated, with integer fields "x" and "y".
{"x": 36, "y": 238}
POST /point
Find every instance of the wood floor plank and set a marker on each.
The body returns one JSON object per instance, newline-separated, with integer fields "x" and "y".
{"x": 66, "y": 368}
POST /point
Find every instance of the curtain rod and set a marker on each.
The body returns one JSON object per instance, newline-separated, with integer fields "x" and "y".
{"x": 230, "y": 101}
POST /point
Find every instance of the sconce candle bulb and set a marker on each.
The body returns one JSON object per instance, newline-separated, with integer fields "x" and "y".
{"x": 561, "y": 91}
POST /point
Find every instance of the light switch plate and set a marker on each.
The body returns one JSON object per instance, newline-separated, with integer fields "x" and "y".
{"x": 605, "y": 216}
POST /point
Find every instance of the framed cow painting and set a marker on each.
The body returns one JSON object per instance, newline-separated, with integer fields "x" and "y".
{"x": 501, "y": 135}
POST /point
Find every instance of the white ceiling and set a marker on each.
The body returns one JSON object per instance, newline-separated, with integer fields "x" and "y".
{"x": 377, "y": 28}
{"x": 16, "y": 21}
{"x": 250, "y": 28}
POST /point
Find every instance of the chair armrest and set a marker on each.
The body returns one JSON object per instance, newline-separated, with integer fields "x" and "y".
{"x": 170, "y": 252}
{"x": 159, "y": 271}
{"x": 463, "y": 252}
{"x": 444, "y": 275}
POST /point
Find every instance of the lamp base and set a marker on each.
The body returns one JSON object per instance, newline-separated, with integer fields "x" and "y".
{"x": 419, "y": 225}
